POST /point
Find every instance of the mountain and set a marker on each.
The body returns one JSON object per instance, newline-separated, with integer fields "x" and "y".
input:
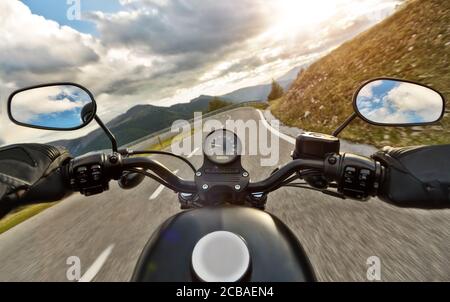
{"x": 260, "y": 92}
{"x": 142, "y": 120}
{"x": 292, "y": 74}
{"x": 254, "y": 93}
{"x": 137, "y": 122}
{"x": 413, "y": 43}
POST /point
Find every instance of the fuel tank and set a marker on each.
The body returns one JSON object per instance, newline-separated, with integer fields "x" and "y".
{"x": 275, "y": 253}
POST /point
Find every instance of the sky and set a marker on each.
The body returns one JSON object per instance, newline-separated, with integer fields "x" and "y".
{"x": 59, "y": 107}
{"x": 163, "y": 52}
{"x": 390, "y": 101}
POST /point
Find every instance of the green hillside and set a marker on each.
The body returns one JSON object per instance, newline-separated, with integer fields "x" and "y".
{"x": 414, "y": 43}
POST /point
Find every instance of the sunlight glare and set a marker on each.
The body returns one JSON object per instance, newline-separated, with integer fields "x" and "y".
{"x": 292, "y": 16}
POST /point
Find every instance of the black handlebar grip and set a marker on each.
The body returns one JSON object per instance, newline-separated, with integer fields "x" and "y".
{"x": 402, "y": 189}
{"x": 53, "y": 187}
{"x": 416, "y": 177}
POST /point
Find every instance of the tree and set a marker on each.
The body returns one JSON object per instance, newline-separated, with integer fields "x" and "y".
{"x": 216, "y": 103}
{"x": 276, "y": 92}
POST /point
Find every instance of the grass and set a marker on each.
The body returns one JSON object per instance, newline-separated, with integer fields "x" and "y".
{"x": 413, "y": 43}
{"x": 21, "y": 214}
{"x": 261, "y": 105}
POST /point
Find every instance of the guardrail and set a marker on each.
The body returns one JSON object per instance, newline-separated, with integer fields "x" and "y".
{"x": 164, "y": 134}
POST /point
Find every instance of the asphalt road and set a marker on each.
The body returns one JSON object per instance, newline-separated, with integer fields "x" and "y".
{"x": 107, "y": 232}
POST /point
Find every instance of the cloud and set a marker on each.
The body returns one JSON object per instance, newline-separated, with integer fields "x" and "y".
{"x": 183, "y": 26}
{"x": 33, "y": 44}
{"x": 30, "y": 105}
{"x": 367, "y": 90}
{"x": 400, "y": 103}
{"x": 164, "y": 52}
{"x": 424, "y": 102}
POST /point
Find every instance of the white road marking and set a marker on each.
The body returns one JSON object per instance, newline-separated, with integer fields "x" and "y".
{"x": 159, "y": 189}
{"x": 97, "y": 265}
{"x": 193, "y": 152}
{"x": 287, "y": 138}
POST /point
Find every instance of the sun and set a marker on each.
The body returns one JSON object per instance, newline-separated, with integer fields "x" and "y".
{"x": 292, "y": 16}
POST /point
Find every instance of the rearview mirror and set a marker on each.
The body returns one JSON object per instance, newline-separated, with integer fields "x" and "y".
{"x": 392, "y": 102}
{"x": 63, "y": 106}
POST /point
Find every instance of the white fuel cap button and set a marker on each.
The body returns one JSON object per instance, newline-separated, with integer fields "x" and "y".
{"x": 221, "y": 257}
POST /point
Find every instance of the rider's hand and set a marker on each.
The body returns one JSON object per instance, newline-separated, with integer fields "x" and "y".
{"x": 23, "y": 167}
{"x": 417, "y": 177}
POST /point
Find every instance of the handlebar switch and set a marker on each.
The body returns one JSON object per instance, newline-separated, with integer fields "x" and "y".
{"x": 358, "y": 177}
{"x": 88, "y": 174}
{"x": 356, "y": 182}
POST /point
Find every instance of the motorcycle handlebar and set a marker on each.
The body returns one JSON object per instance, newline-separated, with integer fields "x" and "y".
{"x": 354, "y": 176}
{"x": 283, "y": 173}
{"x": 357, "y": 177}
{"x": 161, "y": 171}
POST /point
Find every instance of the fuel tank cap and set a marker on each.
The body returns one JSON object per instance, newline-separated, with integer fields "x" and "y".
{"x": 221, "y": 257}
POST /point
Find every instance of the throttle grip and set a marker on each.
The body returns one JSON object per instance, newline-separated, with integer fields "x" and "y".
{"x": 53, "y": 187}
{"x": 416, "y": 177}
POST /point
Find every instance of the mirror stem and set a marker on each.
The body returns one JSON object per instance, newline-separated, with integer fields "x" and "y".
{"x": 111, "y": 136}
{"x": 345, "y": 124}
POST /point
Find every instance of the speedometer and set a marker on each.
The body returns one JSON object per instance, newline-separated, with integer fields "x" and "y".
{"x": 222, "y": 147}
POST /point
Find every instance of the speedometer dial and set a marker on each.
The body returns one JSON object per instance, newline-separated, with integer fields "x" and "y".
{"x": 222, "y": 147}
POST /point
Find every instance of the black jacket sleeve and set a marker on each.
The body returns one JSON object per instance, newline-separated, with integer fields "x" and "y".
{"x": 417, "y": 177}
{"x": 23, "y": 167}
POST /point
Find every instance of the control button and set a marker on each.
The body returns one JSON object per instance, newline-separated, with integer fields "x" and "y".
{"x": 350, "y": 171}
{"x": 332, "y": 160}
{"x": 96, "y": 176}
{"x": 348, "y": 180}
{"x": 81, "y": 171}
{"x": 364, "y": 174}
{"x": 96, "y": 168}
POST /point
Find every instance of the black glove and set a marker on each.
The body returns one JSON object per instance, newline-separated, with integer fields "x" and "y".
{"x": 417, "y": 177}
{"x": 26, "y": 167}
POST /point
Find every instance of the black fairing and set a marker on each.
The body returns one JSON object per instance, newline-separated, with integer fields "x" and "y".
{"x": 276, "y": 254}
